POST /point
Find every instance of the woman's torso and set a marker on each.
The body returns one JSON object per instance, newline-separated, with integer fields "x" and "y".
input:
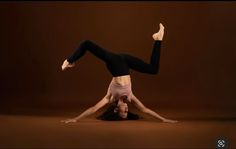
{"x": 120, "y": 86}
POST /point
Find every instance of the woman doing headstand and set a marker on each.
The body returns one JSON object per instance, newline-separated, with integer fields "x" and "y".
{"x": 119, "y": 65}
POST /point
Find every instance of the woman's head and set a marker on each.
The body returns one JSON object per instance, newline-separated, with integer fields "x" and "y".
{"x": 122, "y": 107}
{"x": 119, "y": 111}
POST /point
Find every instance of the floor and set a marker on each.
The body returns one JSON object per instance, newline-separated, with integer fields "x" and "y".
{"x": 44, "y": 131}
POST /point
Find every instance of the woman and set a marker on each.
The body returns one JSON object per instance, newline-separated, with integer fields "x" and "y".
{"x": 119, "y": 90}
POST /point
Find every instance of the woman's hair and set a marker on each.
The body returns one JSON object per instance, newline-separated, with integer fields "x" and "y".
{"x": 110, "y": 115}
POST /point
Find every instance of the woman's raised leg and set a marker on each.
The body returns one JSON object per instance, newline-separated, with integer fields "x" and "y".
{"x": 153, "y": 66}
{"x": 96, "y": 50}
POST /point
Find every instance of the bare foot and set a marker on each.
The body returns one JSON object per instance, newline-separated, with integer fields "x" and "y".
{"x": 66, "y": 65}
{"x": 159, "y": 35}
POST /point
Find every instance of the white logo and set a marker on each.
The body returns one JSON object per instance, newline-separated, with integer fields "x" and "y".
{"x": 221, "y": 143}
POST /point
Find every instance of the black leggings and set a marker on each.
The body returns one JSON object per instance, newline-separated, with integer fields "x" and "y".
{"x": 119, "y": 64}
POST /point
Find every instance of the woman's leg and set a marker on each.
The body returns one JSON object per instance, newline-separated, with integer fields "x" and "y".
{"x": 153, "y": 66}
{"x": 93, "y": 48}
{"x": 140, "y": 66}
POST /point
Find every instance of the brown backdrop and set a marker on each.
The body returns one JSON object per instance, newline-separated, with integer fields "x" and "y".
{"x": 197, "y": 68}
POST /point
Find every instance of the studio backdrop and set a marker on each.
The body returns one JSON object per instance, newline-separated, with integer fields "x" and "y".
{"x": 197, "y": 64}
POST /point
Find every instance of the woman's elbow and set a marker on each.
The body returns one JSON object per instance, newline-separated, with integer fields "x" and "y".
{"x": 144, "y": 110}
{"x": 93, "y": 109}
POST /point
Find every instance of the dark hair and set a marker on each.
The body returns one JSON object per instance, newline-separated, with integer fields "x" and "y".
{"x": 110, "y": 115}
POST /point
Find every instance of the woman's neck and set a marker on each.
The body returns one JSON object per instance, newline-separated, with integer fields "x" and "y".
{"x": 122, "y": 80}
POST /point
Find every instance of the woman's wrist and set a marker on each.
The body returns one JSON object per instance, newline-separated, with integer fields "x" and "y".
{"x": 76, "y": 119}
{"x": 163, "y": 119}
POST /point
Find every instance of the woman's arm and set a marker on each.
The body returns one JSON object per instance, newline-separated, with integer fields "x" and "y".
{"x": 146, "y": 110}
{"x": 90, "y": 110}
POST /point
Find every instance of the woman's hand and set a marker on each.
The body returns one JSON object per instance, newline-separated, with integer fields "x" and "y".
{"x": 69, "y": 121}
{"x": 169, "y": 121}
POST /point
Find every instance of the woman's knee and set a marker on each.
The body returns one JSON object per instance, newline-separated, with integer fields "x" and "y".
{"x": 154, "y": 70}
{"x": 86, "y": 42}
